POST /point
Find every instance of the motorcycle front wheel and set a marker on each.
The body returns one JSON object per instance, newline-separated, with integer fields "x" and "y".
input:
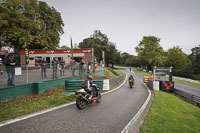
{"x": 99, "y": 98}
{"x": 81, "y": 102}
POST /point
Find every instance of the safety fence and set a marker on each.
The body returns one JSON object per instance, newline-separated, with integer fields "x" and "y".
{"x": 115, "y": 73}
{"x": 31, "y": 74}
{"x": 188, "y": 97}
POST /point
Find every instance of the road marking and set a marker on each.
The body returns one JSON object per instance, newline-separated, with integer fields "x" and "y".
{"x": 49, "y": 110}
{"x": 134, "y": 119}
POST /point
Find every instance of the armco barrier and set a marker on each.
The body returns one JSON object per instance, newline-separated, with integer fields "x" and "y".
{"x": 13, "y": 92}
{"x": 150, "y": 83}
{"x": 188, "y": 97}
{"x": 73, "y": 85}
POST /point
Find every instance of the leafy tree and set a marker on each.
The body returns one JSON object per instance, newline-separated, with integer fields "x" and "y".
{"x": 64, "y": 47}
{"x": 100, "y": 42}
{"x": 125, "y": 56}
{"x": 179, "y": 61}
{"x": 150, "y": 53}
{"x": 43, "y": 24}
{"x": 195, "y": 58}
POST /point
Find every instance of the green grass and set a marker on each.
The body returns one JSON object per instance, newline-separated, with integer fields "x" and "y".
{"x": 120, "y": 73}
{"x": 34, "y": 103}
{"x": 139, "y": 71}
{"x": 108, "y": 73}
{"x": 186, "y": 82}
{"x": 170, "y": 114}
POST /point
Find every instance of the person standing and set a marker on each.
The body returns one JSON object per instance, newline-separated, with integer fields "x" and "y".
{"x": 1, "y": 69}
{"x": 82, "y": 66}
{"x": 43, "y": 65}
{"x": 73, "y": 67}
{"x": 54, "y": 68}
{"x": 10, "y": 63}
{"x": 89, "y": 66}
{"x": 62, "y": 64}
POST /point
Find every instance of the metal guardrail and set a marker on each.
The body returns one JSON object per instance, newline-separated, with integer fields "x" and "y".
{"x": 188, "y": 97}
{"x": 113, "y": 71}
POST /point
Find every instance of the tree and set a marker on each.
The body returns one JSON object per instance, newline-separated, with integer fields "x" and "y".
{"x": 42, "y": 23}
{"x": 64, "y": 47}
{"x": 195, "y": 59}
{"x": 179, "y": 61}
{"x": 100, "y": 42}
{"x": 124, "y": 57}
{"x": 150, "y": 53}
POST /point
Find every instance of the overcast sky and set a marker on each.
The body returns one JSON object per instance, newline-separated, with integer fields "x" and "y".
{"x": 125, "y": 22}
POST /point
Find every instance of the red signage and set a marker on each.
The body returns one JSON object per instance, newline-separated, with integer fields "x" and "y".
{"x": 56, "y": 51}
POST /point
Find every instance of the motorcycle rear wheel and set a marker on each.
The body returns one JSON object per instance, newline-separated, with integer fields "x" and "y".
{"x": 81, "y": 102}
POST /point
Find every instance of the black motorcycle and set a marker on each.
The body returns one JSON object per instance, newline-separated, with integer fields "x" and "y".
{"x": 85, "y": 98}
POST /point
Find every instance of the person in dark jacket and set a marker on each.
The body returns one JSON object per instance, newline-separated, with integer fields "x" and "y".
{"x": 62, "y": 69}
{"x": 88, "y": 86}
{"x": 131, "y": 78}
{"x": 54, "y": 68}
{"x": 10, "y": 63}
{"x": 43, "y": 65}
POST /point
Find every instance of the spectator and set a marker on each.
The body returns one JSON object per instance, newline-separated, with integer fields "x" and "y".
{"x": 70, "y": 63}
{"x": 82, "y": 66}
{"x": 10, "y": 63}
{"x": 54, "y": 68}
{"x": 89, "y": 66}
{"x": 62, "y": 64}
{"x": 73, "y": 67}
{"x": 43, "y": 65}
{"x": 1, "y": 69}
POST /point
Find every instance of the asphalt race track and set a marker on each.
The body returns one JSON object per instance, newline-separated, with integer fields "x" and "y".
{"x": 110, "y": 116}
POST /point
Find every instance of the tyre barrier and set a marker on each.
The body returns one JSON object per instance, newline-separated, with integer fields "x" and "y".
{"x": 73, "y": 85}
{"x": 146, "y": 79}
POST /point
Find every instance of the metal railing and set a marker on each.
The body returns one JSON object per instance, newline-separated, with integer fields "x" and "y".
{"x": 188, "y": 97}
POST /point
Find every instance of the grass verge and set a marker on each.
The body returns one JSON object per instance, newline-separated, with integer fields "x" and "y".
{"x": 108, "y": 73}
{"x": 186, "y": 82}
{"x": 34, "y": 103}
{"x": 120, "y": 73}
{"x": 139, "y": 71}
{"x": 170, "y": 114}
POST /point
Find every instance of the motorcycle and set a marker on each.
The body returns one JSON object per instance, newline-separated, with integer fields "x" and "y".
{"x": 131, "y": 83}
{"x": 85, "y": 98}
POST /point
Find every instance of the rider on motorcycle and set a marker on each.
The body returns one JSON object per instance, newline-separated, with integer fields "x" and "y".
{"x": 89, "y": 87}
{"x": 131, "y": 78}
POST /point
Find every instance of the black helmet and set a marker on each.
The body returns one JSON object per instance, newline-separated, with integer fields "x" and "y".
{"x": 89, "y": 77}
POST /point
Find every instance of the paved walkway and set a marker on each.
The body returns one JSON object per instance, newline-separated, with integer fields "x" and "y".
{"x": 33, "y": 76}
